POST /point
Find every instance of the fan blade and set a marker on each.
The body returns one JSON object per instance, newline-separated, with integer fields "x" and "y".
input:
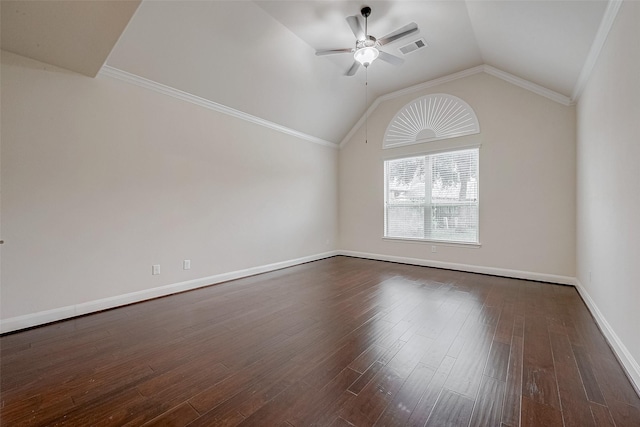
{"x": 332, "y": 51}
{"x": 399, "y": 33}
{"x": 354, "y": 68}
{"x": 356, "y": 27}
{"x": 391, "y": 59}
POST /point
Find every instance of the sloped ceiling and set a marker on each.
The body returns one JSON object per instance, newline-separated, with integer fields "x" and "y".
{"x": 76, "y": 35}
{"x": 544, "y": 42}
{"x": 258, "y": 57}
{"x": 236, "y": 54}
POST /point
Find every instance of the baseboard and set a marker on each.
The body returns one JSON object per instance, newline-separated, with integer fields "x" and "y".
{"x": 13, "y": 324}
{"x": 629, "y": 364}
{"x": 517, "y": 274}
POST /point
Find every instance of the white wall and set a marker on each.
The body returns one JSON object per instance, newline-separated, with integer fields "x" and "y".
{"x": 608, "y": 192}
{"x": 527, "y": 183}
{"x": 101, "y": 179}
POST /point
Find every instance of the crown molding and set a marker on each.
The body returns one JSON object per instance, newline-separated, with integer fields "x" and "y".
{"x": 610, "y": 13}
{"x": 526, "y": 84}
{"x": 108, "y": 71}
{"x": 510, "y": 78}
{"x": 435, "y": 82}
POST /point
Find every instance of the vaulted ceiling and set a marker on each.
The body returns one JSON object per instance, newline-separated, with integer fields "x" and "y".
{"x": 259, "y": 57}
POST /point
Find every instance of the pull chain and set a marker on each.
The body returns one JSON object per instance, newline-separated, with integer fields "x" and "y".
{"x": 366, "y": 103}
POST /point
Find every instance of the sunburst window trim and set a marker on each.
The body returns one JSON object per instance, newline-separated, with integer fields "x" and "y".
{"x": 432, "y": 117}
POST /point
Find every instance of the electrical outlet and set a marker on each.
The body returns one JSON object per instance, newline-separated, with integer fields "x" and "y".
{"x": 155, "y": 269}
{"x": 186, "y": 264}
{"x": 434, "y": 249}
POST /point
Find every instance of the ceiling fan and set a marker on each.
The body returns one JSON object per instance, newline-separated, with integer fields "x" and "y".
{"x": 367, "y": 46}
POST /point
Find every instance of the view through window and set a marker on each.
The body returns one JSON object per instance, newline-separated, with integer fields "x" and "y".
{"x": 433, "y": 197}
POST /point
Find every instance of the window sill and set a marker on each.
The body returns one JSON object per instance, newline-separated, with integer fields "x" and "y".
{"x": 434, "y": 242}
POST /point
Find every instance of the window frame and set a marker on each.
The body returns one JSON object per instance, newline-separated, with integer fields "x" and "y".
{"x": 424, "y": 153}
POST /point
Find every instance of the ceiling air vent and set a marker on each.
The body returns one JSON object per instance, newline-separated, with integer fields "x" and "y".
{"x": 413, "y": 46}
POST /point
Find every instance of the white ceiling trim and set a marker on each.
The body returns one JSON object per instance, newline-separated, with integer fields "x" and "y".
{"x": 525, "y": 84}
{"x": 596, "y": 47}
{"x": 108, "y": 71}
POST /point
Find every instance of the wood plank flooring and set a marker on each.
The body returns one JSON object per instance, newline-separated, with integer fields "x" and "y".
{"x": 336, "y": 342}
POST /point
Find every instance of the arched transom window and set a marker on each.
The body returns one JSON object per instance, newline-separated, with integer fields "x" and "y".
{"x": 430, "y": 118}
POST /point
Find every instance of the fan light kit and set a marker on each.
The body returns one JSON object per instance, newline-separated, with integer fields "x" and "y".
{"x": 366, "y": 55}
{"x": 367, "y": 47}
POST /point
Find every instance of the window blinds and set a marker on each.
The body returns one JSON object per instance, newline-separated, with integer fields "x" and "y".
{"x": 433, "y": 197}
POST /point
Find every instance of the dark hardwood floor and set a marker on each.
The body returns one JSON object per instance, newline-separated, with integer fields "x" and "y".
{"x": 337, "y": 342}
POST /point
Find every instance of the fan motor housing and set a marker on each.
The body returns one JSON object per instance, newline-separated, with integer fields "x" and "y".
{"x": 369, "y": 41}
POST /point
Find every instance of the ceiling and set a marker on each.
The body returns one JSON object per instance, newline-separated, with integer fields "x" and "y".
{"x": 76, "y": 35}
{"x": 258, "y": 57}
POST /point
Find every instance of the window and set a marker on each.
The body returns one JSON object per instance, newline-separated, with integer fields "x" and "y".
{"x": 430, "y": 118}
{"x": 433, "y": 197}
